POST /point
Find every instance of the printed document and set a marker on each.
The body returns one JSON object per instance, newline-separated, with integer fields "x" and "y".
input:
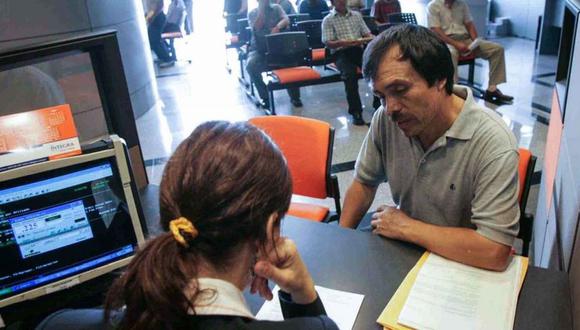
{"x": 450, "y": 295}
{"x": 342, "y": 307}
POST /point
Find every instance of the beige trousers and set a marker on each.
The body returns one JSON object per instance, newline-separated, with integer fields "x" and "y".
{"x": 488, "y": 50}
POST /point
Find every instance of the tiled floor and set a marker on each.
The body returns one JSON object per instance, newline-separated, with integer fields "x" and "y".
{"x": 202, "y": 90}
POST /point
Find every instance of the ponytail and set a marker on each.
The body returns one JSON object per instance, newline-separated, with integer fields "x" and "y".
{"x": 153, "y": 286}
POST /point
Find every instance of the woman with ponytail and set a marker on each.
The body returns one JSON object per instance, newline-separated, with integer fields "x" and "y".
{"x": 222, "y": 197}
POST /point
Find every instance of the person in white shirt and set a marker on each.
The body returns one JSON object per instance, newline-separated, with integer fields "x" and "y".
{"x": 453, "y": 23}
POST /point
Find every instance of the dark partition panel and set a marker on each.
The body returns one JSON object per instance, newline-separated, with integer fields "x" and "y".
{"x": 87, "y": 69}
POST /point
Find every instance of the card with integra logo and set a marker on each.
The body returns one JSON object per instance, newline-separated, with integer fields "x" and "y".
{"x": 38, "y": 135}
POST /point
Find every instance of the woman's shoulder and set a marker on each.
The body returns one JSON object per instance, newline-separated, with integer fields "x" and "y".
{"x": 235, "y": 322}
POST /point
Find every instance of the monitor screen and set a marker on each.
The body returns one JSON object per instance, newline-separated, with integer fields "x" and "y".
{"x": 59, "y": 223}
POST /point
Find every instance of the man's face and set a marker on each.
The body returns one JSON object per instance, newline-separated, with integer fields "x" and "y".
{"x": 339, "y": 5}
{"x": 405, "y": 95}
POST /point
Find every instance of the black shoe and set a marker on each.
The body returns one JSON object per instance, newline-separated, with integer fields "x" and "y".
{"x": 497, "y": 96}
{"x": 296, "y": 102}
{"x": 357, "y": 119}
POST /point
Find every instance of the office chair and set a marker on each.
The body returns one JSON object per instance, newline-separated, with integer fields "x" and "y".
{"x": 313, "y": 30}
{"x": 289, "y": 58}
{"x": 295, "y": 18}
{"x": 287, "y": 49}
{"x": 402, "y": 18}
{"x": 307, "y": 145}
{"x": 526, "y": 167}
{"x": 371, "y": 24}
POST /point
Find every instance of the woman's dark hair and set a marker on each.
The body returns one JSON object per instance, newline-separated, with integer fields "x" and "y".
{"x": 428, "y": 55}
{"x": 227, "y": 179}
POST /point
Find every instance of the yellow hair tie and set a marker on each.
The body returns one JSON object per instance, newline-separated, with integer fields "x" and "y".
{"x": 182, "y": 224}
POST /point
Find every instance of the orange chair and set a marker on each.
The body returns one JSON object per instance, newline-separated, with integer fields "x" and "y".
{"x": 307, "y": 145}
{"x": 525, "y": 171}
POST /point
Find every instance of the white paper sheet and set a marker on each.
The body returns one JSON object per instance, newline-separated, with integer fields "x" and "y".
{"x": 450, "y": 295}
{"x": 474, "y": 44}
{"x": 342, "y": 307}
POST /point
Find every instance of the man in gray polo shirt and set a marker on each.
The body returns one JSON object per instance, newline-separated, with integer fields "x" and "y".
{"x": 451, "y": 163}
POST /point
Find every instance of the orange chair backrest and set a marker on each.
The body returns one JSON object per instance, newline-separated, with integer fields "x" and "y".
{"x": 304, "y": 142}
{"x": 525, "y": 157}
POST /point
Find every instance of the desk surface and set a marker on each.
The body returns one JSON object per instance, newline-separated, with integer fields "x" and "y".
{"x": 363, "y": 263}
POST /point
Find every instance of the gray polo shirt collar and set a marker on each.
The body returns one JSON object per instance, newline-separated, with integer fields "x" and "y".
{"x": 465, "y": 124}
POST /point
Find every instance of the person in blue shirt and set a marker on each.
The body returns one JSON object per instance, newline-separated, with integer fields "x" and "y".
{"x": 313, "y": 7}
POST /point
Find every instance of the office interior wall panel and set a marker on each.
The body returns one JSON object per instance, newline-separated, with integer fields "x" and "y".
{"x": 125, "y": 10}
{"x": 523, "y": 15}
{"x": 540, "y": 223}
{"x": 144, "y": 99}
{"x": 552, "y": 146}
{"x": 567, "y": 204}
{"x": 137, "y": 59}
{"x": 32, "y": 18}
{"x": 574, "y": 276}
{"x": 549, "y": 253}
{"x": 572, "y": 106}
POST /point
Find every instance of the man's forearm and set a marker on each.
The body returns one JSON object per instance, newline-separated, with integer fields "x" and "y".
{"x": 471, "y": 30}
{"x": 445, "y": 38}
{"x": 260, "y": 20}
{"x": 357, "y": 201}
{"x": 283, "y": 23}
{"x": 464, "y": 245}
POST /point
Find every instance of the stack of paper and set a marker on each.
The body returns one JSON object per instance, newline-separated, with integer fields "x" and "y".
{"x": 442, "y": 294}
{"x": 342, "y": 307}
{"x": 474, "y": 44}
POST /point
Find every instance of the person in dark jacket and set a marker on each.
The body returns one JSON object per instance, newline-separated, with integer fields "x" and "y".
{"x": 315, "y": 8}
{"x": 222, "y": 197}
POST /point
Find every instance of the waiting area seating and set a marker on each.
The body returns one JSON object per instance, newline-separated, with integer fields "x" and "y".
{"x": 290, "y": 58}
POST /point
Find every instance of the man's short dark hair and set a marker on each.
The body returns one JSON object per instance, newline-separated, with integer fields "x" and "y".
{"x": 428, "y": 55}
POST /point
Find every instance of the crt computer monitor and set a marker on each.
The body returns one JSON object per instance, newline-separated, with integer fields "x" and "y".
{"x": 65, "y": 221}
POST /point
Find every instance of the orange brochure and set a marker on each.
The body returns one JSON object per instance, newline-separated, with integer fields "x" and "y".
{"x": 37, "y": 135}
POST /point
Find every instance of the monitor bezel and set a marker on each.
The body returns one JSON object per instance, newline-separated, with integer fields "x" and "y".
{"x": 118, "y": 153}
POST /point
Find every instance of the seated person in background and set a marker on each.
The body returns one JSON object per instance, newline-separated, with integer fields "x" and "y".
{"x": 314, "y": 8}
{"x": 345, "y": 33}
{"x": 452, "y": 21}
{"x": 188, "y": 16}
{"x": 222, "y": 197}
{"x": 233, "y": 10}
{"x": 175, "y": 16}
{"x": 239, "y": 7}
{"x": 383, "y": 8}
{"x": 452, "y": 164}
{"x": 286, "y": 5}
{"x": 155, "y": 18}
{"x": 355, "y": 4}
{"x": 266, "y": 19}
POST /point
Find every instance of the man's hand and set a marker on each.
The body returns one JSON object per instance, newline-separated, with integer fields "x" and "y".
{"x": 275, "y": 29}
{"x": 461, "y": 47}
{"x": 282, "y": 264}
{"x": 390, "y": 222}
